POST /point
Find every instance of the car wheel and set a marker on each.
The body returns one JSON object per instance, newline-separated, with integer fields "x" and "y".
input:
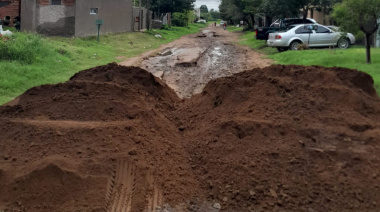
{"x": 282, "y": 49}
{"x": 294, "y": 45}
{"x": 343, "y": 43}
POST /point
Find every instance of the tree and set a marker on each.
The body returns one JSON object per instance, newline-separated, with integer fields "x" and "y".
{"x": 214, "y": 14}
{"x": 239, "y": 10}
{"x": 203, "y": 9}
{"x": 360, "y": 15}
{"x": 321, "y": 5}
{"x": 171, "y": 6}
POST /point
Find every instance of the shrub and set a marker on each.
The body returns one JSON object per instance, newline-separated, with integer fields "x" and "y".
{"x": 180, "y": 19}
{"x": 24, "y": 47}
{"x": 165, "y": 26}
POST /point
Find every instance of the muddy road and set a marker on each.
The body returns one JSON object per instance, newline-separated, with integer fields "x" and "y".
{"x": 189, "y": 63}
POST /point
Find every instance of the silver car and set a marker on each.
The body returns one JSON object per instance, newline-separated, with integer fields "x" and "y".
{"x": 313, "y": 35}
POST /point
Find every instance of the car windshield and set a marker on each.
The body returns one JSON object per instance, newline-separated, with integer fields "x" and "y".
{"x": 333, "y": 28}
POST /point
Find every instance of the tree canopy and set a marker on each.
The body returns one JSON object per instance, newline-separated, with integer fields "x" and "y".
{"x": 203, "y": 9}
{"x": 236, "y": 10}
{"x": 355, "y": 15}
{"x": 171, "y": 6}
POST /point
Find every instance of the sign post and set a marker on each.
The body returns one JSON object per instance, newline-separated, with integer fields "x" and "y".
{"x": 98, "y": 22}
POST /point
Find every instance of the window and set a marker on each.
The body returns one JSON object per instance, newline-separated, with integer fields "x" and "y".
{"x": 309, "y": 21}
{"x": 56, "y": 2}
{"x": 289, "y": 22}
{"x": 94, "y": 11}
{"x": 302, "y": 30}
{"x": 276, "y": 22}
{"x": 322, "y": 29}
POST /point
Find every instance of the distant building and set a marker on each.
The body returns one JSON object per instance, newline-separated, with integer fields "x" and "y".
{"x": 320, "y": 17}
{"x": 76, "y": 17}
{"x": 9, "y": 10}
{"x": 197, "y": 12}
{"x": 140, "y": 16}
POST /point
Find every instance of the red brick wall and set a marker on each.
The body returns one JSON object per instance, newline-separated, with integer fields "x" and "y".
{"x": 10, "y": 10}
{"x": 64, "y": 2}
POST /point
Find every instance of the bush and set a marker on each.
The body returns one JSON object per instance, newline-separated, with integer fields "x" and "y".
{"x": 165, "y": 26}
{"x": 180, "y": 19}
{"x": 24, "y": 47}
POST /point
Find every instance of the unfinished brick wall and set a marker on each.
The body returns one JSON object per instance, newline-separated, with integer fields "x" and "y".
{"x": 11, "y": 10}
{"x": 55, "y": 19}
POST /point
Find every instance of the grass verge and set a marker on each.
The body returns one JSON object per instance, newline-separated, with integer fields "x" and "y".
{"x": 353, "y": 58}
{"x": 28, "y": 60}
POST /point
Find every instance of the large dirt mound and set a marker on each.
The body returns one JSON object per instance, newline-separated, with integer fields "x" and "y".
{"x": 110, "y": 128}
{"x": 283, "y": 138}
{"x": 287, "y": 138}
{"x": 108, "y": 92}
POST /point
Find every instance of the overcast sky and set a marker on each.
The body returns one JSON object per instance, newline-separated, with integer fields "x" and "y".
{"x": 211, "y": 4}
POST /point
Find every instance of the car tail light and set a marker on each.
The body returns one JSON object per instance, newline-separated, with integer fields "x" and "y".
{"x": 277, "y": 37}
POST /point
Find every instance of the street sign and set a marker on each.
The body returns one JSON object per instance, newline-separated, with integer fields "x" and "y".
{"x": 98, "y": 23}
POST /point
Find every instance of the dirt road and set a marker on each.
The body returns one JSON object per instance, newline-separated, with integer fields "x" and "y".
{"x": 187, "y": 64}
{"x": 117, "y": 138}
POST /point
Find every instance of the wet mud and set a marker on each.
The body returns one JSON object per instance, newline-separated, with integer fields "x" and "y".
{"x": 189, "y": 64}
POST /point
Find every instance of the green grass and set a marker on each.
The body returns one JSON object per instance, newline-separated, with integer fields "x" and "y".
{"x": 28, "y": 60}
{"x": 234, "y": 29}
{"x": 12, "y": 29}
{"x": 248, "y": 39}
{"x": 353, "y": 58}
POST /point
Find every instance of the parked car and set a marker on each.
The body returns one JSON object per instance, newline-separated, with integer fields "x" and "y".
{"x": 314, "y": 35}
{"x": 349, "y": 35}
{"x": 222, "y": 23}
{"x": 280, "y": 24}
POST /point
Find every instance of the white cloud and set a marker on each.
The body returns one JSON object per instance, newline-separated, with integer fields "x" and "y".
{"x": 211, "y": 4}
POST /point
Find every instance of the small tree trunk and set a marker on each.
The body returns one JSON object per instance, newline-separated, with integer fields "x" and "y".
{"x": 305, "y": 11}
{"x": 260, "y": 21}
{"x": 368, "y": 48}
{"x": 252, "y": 23}
{"x": 268, "y": 21}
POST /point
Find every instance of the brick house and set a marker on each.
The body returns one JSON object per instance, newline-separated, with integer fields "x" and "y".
{"x": 75, "y": 17}
{"x": 9, "y": 9}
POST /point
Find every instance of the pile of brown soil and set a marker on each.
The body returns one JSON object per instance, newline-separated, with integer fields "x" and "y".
{"x": 113, "y": 138}
{"x": 93, "y": 142}
{"x": 287, "y": 138}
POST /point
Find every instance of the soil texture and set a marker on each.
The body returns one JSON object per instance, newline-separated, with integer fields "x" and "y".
{"x": 116, "y": 138}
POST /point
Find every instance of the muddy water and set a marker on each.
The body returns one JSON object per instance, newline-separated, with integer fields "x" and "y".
{"x": 189, "y": 66}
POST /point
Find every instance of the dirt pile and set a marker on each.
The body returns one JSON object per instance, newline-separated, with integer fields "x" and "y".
{"x": 106, "y": 135}
{"x": 287, "y": 138}
{"x": 113, "y": 138}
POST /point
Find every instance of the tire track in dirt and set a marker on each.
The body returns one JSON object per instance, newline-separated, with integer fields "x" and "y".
{"x": 121, "y": 188}
{"x": 123, "y": 184}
